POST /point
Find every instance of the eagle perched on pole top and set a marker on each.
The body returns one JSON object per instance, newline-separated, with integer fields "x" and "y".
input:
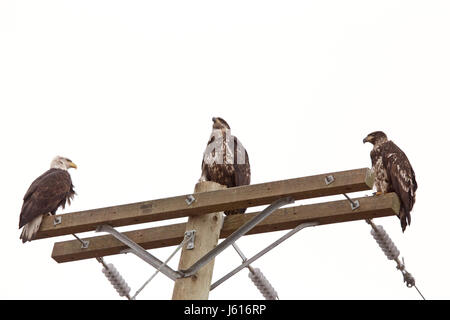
{"x": 393, "y": 173}
{"x": 225, "y": 160}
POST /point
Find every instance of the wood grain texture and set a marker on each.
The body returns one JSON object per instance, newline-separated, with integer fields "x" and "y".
{"x": 207, "y": 234}
{"x": 207, "y": 202}
{"x": 282, "y": 219}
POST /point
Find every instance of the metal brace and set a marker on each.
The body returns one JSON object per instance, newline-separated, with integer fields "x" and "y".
{"x": 354, "y": 204}
{"x": 247, "y": 262}
{"x": 159, "y": 265}
{"x": 191, "y": 242}
{"x": 329, "y": 179}
{"x": 140, "y": 252}
{"x": 235, "y": 236}
{"x": 190, "y": 199}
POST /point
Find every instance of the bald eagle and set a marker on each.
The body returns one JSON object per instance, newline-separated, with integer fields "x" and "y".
{"x": 393, "y": 173}
{"x": 225, "y": 160}
{"x": 45, "y": 195}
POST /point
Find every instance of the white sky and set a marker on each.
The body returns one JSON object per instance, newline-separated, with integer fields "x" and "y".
{"x": 126, "y": 89}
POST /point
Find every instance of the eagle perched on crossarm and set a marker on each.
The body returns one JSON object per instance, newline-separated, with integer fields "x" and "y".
{"x": 225, "y": 160}
{"x": 393, "y": 173}
{"x": 45, "y": 195}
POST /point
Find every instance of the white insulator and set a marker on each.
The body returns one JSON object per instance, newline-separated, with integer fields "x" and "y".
{"x": 263, "y": 284}
{"x": 385, "y": 243}
{"x": 116, "y": 280}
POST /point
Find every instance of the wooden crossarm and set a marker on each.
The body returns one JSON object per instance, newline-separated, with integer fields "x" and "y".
{"x": 282, "y": 219}
{"x": 207, "y": 202}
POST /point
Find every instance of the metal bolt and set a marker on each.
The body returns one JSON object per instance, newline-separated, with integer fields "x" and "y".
{"x": 190, "y": 199}
{"x": 84, "y": 244}
{"x": 329, "y": 179}
{"x": 57, "y": 220}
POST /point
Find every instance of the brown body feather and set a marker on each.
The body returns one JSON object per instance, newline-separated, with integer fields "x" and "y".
{"x": 45, "y": 195}
{"x": 394, "y": 173}
{"x": 232, "y": 174}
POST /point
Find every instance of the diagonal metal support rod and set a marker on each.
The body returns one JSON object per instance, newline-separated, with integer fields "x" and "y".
{"x": 140, "y": 252}
{"x": 187, "y": 236}
{"x": 235, "y": 236}
{"x": 247, "y": 262}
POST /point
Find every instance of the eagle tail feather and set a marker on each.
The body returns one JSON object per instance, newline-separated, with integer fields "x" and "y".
{"x": 31, "y": 228}
{"x": 405, "y": 218}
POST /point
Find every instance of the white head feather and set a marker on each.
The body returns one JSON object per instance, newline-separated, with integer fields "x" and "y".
{"x": 62, "y": 163}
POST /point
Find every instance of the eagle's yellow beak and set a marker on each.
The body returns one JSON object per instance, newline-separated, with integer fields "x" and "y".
{"x": 367, "y": 139}
{"x": 72, "y": 165}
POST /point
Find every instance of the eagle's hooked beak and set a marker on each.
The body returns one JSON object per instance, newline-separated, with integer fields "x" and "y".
{"x": 367, "y": 139}
{"x": 72, "y": 165}
{"x": 214, "y": 119}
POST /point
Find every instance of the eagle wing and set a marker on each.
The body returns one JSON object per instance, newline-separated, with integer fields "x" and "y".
{"x": 229, "y": 174}
{"x": 241, "y": 164}
{"x": 209, "y": 156}
{"x": 49, "y": 191}
{"x": 402, "y": 179}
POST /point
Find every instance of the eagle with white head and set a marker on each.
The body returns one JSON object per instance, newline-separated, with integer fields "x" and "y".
{"x": 225, "y": 160}
{"x": 45, "y": 195}
{"x": 393, "y": 173}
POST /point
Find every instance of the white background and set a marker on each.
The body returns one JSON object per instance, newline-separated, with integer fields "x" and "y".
{"x": 127, "y": 89}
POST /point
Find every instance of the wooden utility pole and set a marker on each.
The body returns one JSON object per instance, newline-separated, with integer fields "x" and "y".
{"x": 205, "y": 211}
{"x": 207, "y": 231}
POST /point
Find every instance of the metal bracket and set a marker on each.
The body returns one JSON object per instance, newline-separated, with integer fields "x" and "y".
{"x": 190, "y": 199}
{"x": 235, "y": 236}
{"x": 354, "y": 204}
{"x": 191, "y": 242}
{"x": 57, "y": 220}
{"x": 329, "y": 179}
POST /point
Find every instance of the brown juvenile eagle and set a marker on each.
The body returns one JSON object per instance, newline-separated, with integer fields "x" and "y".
{"x": 45, "y": 195}
{"x": 225, "y": 160}
{"x": 393, "y": 173}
